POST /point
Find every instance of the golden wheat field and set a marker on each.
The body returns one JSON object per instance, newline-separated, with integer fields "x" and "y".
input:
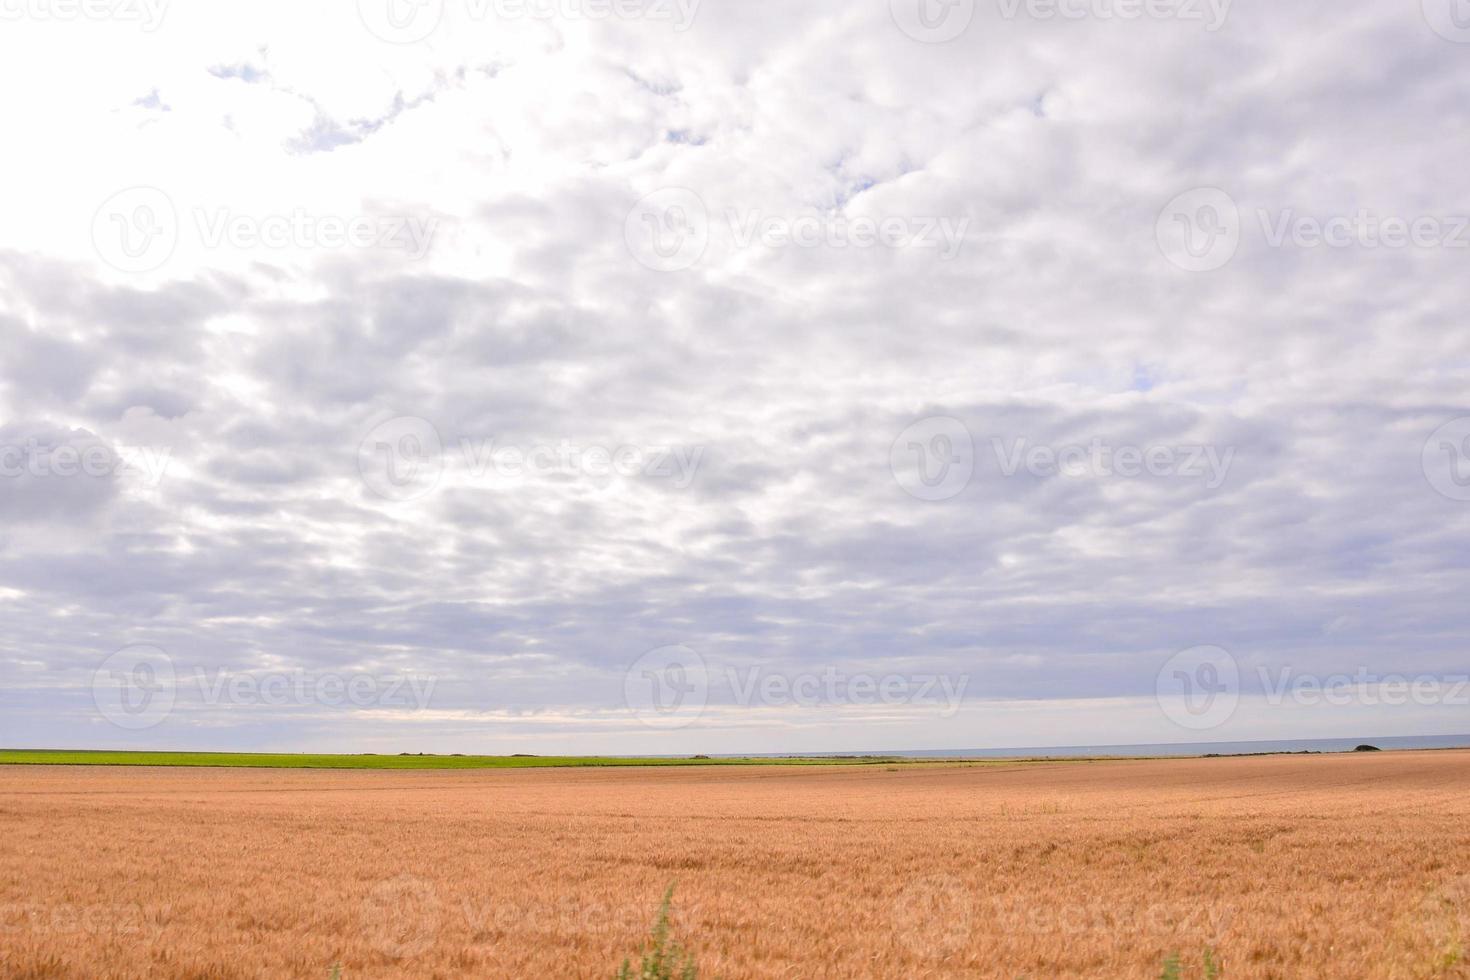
{"x": 1287, "y": 866}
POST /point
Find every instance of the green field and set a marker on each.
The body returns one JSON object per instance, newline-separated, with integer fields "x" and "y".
{"x": 257, "y": 760}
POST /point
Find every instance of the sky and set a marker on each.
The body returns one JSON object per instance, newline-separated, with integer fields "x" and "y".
{"x": 740, "y": 375}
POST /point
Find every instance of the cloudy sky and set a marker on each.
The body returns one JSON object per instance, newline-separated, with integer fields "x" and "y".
{"x": 675, "y": 376}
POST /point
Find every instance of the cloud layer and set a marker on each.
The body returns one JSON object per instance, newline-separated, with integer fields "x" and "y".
{"x": 788, "y": 335}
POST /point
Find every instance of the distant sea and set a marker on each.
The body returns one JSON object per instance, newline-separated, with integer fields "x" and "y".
{"x": 1164, "y": 748}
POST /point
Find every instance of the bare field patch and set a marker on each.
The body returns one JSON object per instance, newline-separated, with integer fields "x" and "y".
{"x": 1288, "y": 866}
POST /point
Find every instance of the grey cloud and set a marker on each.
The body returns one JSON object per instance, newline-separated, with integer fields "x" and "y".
{"x": 792, "y": 369}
